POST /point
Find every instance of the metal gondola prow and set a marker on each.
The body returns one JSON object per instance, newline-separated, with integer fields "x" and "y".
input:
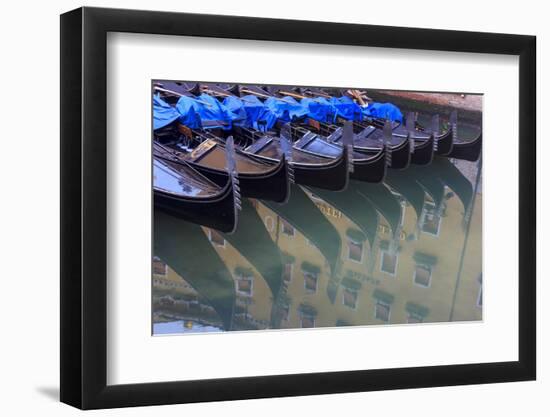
{"x": 286, "y": 148}
{"x": 386, "y": 141}
{"x": 347, "y": 141}
{"x": 410, "y": 130}
{"x": 232, "y": 171}
{"x": 453, "y": 120}
{"x": 435, "y": 130}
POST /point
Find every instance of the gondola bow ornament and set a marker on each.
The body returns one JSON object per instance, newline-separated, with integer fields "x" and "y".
{"x": 347, "y": 141}
{"x": 410, "y": 130}
{"x": 435, "y": 130}
{"x": 232, "y": 170}
{"x": 454, "y": 125}
{"x": 286, "y": 148}
{"x": 386, "y": 141}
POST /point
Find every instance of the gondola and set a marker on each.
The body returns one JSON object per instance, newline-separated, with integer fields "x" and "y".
{"x": 309, "y": 169}
{"x": 257, "y": 178}
{"x": 186, "y": 249}
{"x": 303, "y": 214}
{"x": 467, "y": 150}
{"x": 184, "y": 192}
{"x": 368, "y": 165}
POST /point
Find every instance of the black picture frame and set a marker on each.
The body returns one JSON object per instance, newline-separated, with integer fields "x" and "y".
{"x": 84, "y": 207}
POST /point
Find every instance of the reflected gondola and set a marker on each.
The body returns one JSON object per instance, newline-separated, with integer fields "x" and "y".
{"x": 433, "y": 186}
{"x": 252, "y": 240}
{"x": 304, "y": 215}
{"x": 455, "y": 180}
{"x": 359, "y": 210}
{"x": 409, "y": 188}
{"x": 384, "y": 201}
{"x": 177, "y": 243}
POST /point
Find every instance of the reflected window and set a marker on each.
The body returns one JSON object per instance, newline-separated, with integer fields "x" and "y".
{"x": 216, "y": 238}
{"x": 382, "y": 310}
{"x": 349, "y": 298}
{"x": 416, "y": 313}
{"x": 388, "y": 263}
{"x": 286, "y": 228}
{"x": 423, "y": 275}
{"x": 431, "y": 221}
{"x": 269, "y": 223}
{"x": 244, "y": 285}
{"x": 159, "y": 267}
{"x": 307, "y": 321}
{"x": 310, "y": 281}
{"x": 414, "y": 318}
{"x": 355, "y": 251}
{"x": 287, "y": 271}
{"x": 355, "y": 240}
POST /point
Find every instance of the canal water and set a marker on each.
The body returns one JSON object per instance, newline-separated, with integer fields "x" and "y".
{"x": 407, "y": 251}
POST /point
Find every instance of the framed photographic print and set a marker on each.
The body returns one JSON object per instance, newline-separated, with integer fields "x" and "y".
{"x": 257, "y": 208}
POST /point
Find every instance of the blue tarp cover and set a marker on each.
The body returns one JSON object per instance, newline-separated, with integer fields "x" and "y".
{"x": 163, "y": 113}
{"x": 211, "y": 110}
{"x": 318, "y": 108}
{"x": 249, "y": 111}
{"x": 254, "y": 113}
{"x": 188, "y": 109}
{"x": 285, "y": 109}
{"x": 383, "y": 110}
{"x": 236, "y": 106}
{"x": 347, "y": 108}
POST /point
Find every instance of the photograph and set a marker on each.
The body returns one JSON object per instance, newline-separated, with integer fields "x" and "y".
{"x": 280, "y": 207}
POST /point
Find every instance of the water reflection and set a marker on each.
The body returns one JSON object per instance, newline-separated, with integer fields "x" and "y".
{"x": 406, "y": 251}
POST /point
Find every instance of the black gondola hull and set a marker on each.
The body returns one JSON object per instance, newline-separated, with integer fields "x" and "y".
{"x": 469, "y": 151}
{"x": 445, "y": 143}
{"x": 372, "y": 170}
{"x": 423, "y": 152}
{"x": 401, "y": 155}
{"x": 218, "y": 212}
{"x": 333, "y": 176}
{"x": 272, "y": 185}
